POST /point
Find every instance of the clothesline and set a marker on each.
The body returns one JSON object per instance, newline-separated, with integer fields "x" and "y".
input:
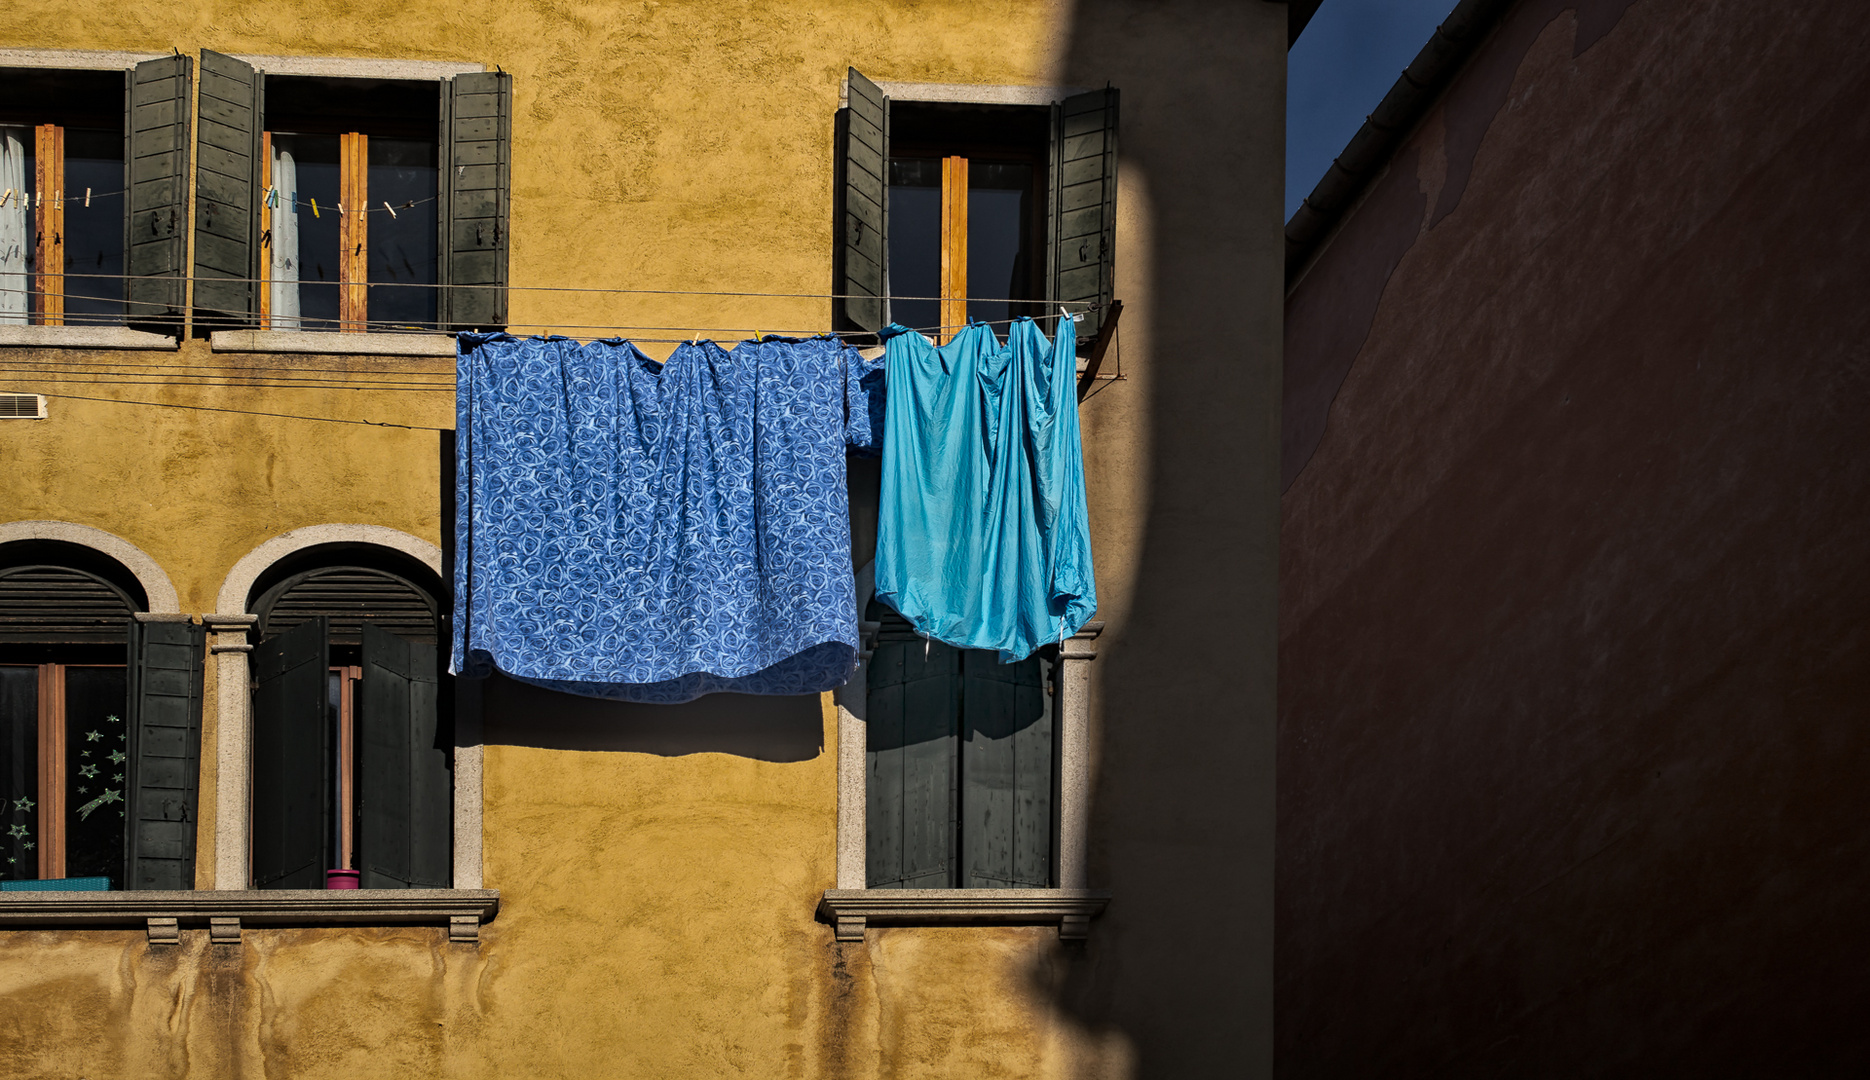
{"x": 594, "y": 291}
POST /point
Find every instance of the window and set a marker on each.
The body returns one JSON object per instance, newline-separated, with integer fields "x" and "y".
{"x": 99, "y": 757}
{"x": 992, "y": 211}
{"x": 960, "y": 766}
{"x": 352, "y": 768}
{"x": 324, "y": 202}
{"x": 62, "y": 192}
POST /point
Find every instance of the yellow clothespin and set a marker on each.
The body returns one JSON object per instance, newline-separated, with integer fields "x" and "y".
{"x": 58, "y": 200}
{"x": 87, "y": 198}
{"x": 4, "y": 198}
{"x": 314, "y": 207}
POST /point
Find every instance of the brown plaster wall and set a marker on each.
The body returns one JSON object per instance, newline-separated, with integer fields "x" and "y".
{"x": 1574, "y": 645}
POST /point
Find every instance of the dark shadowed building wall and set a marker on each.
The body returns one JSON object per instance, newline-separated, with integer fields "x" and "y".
{"x": 1575, "y": 613}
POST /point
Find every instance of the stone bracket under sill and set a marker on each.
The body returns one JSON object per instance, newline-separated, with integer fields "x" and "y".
{"x": 849, "y": 911}
{"x": 225, "y": 912}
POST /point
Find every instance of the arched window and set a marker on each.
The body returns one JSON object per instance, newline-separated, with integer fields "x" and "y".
{"x": 352, "y": 765}
{"x": 100, "y": 726}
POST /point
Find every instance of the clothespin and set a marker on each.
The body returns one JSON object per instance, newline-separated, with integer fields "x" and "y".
{"x": 314, "y": 207}
{"x": 1063, "y": 314}
{"x": 58, "y": 200}
{"x": 340, "y": 208}
{"x": 4, "y": 198}
{"x": 87, "y": 198}
{"x": 391, "y": 209}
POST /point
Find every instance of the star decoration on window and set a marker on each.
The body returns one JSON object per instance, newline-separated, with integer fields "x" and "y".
{"x": 24, "y": 804}
{"x": 116, "y": 757}
{"x": 93, "y": 735}
{"x": 84, "y": 753}
{"x": 87, "y": 770}
{"x": 114, "y": 719}
{"x": 28, "y": 845}
{"x": 82, "y": 790}
{"x": 117, "y": 779}
{"x": 18, "y": 832}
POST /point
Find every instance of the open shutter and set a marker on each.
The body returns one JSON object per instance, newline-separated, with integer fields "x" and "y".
{"x": 1006, "y": 770}
{"x": 1084, "y": 204}
{"x": 292, "y": 760}
{"x": 909, "y": 799}
{"x": 155, "y": 168}
{"x": 405, "y": 788}
{"x": 164, "y": 711}
{"x": 227, "y": 183}
{"x": 475, "y": 138}
{"x": 863, "y": 215}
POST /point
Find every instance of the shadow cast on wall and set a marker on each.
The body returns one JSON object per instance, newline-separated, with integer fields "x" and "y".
{"x": 777, "y": 729}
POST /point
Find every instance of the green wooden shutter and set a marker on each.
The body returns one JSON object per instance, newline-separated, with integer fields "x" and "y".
{"x": 475, "y": 147}
{"x": 405, "y": 787}
{"x": 164, "y": 713}
{"x": 1083, "y": 226}
{"x": 1006, "y": 774}
{"x": 227, "y": 183}
{"x": 911, "y": 729}
{"x": 155, "y": 175}
{"x": 292, "y": 760}
{"x": 863, "y": 214}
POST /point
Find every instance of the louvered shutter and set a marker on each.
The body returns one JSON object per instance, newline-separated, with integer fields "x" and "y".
{"x": 164, "y": 713}
{"x": 910, "y": 761}
{"x": 863, "y": 215}
{"x": 227, "y": 183}
{"x": 292, "y": 760}
{"x": 155, "y": 167}
{"x": 475, "y": 142}
{"x": 1006, "y": 771}
{"x": 405, "y": 788}
{"x": 1083, "y": 228}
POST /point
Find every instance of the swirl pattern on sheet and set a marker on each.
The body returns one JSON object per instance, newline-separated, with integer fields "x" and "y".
{"x": 653, "y": 532}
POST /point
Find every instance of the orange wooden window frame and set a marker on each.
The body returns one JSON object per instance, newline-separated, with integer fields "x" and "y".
{"x": 348, "y": 679}
{"x": 953, "y": 247}
{"x": 48, "y": 286}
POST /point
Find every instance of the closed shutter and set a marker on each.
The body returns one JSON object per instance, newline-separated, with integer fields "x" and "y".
{"x": 292, "y": 760}
{"x": 165, "y": 753}
{"x": 405, "y": 787}
{"x": 1084, "y": 204}
{"x": 227, "y": 180}
{"x": 155, "y": 166}
{"x": 910, "y": 761}
{"x": 863, "y": 216}
{"x": 1006, "y": 771}
{"x": 475, "y": 146}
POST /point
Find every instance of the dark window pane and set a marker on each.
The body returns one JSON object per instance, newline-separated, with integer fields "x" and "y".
{"x": 915, "y": 241}
{"x": 304, "y": 245}
{"x": 999, "y": 234}
{"x": 402, "y": 248}
{"x": 97, "y": 742}
{"x": 19, "y": 773}
{"x": 93, "y": 234}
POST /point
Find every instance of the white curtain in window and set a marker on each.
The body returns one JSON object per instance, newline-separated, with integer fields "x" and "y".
{"x": 285, "y": 250}
{"x": 15, "y": 224}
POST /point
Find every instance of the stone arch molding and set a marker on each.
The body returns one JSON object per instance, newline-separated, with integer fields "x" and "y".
{"x": 156, "y": 584}
{"x": 233, "y": 596}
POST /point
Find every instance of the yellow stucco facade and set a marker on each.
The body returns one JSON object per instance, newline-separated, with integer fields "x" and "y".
{"x": 657, "y": 904}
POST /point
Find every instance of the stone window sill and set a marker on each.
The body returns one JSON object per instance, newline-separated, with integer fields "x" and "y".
{"x": 83, "y": 337}
{"x": 326, "y": 343}
{"x": 849, "y": 911}
{"x": 225, "y": 912}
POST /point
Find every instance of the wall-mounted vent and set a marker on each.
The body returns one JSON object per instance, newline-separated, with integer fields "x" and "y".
{"x": 22, "y": 406}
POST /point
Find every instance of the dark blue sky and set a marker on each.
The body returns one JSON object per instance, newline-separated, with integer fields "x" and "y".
{"x": 1343, "y": 64}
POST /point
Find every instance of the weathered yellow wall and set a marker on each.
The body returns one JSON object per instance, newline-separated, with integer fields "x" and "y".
{"x": 656, "y": 912}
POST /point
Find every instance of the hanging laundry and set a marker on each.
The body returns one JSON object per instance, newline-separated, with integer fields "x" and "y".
{"x": 983, "y": 541}
{"x": 654, "y": 532}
